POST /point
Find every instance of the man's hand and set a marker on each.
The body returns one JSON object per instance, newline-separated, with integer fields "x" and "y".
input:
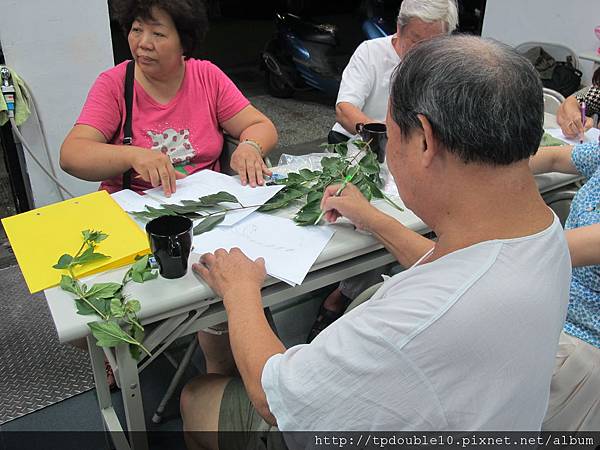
{"x": 156, "y": 168}
{"x": 248, "y": 163}
{"x": 351, "y": 203}
{"x": 231, "y": 272}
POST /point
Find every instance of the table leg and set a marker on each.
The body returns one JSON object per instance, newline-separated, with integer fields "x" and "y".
{"x": 110, "y": 422}
{"x": 132, "y": 398}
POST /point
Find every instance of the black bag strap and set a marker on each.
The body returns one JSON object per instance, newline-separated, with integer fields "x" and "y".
{"x": 127, "y": 132}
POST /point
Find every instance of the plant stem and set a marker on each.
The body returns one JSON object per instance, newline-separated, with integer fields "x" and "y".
{"x": 125, "y": 280}
{"x": 82, "y": 294}
{"x": 391, "y": 202}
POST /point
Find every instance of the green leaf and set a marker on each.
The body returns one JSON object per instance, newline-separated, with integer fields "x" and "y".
{"x": 362, "y": 145}
{"x": 93, "y": 236}
{"x": 342, "y": 149}
{"x": 88, "y": 256}
{"x": 369, "y": 163}
{"x": 138, "y": 334}
{"x": 141, "y": 264}
{"x": 103, "y": 290}
{"x": 331, "y": 162}
{"x": 374, "y": 189}
{"x": 365, "y": 190}
{"x": 137, "y": 277}
{"x": 294, "y": 178}
{"x": 308, "y": 174}
{"x": 83, "y": 308}
{"x": 281, "y": 199}
{"x": 101, "y": 304}
{"x": 159, "y": 212}
{"x": 308, "y": 214}
{"x": 144, "y": 215}
{"x": 132, "y": 306}
{"x": 314, "y": 196}
{"x": 219, "y": 197}
{"x": 208, "y": 224}
{"x": 116, "y": 308}
{"x": 68, "y": 284}
{"x": 109, "y": 334}
{"x": 178, "y": 209}
{"x": 149, "y": 275}
{"x": 63, "y": 262}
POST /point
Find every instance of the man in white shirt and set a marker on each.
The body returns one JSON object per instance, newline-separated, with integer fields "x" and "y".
{"x": 365, "y": 86}
{"x": 465, "y": 338}
{"x": 363, "y": 98}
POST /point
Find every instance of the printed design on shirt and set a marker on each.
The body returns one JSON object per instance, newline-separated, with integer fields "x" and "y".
{"x": 175, "y": 144}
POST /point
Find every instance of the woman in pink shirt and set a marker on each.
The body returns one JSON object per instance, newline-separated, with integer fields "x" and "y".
{"x": 181, "y": 106}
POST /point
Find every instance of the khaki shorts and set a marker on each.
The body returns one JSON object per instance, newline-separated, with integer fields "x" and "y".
{"x": 240, "y": 425}
{"x": 575, "y": 389}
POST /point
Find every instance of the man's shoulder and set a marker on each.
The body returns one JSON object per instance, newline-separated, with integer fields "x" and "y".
{"x": 377, "y": 44}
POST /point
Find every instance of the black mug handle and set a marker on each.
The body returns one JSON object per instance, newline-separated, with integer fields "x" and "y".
{"x": 359, "y": 127}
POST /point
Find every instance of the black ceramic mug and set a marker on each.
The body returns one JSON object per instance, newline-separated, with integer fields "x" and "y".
{"x": 171, "y": 242}
{"x": 376, "y": 135}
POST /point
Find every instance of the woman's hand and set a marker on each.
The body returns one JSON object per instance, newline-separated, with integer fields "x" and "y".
{"x": 248, "y": 163}
{"x": 229, "y": 272}
{"x": 155, "y": 167}
{"x": 351, "y": 203}
{"x": 568, "y": 118}
{"x": 573, "y": 128}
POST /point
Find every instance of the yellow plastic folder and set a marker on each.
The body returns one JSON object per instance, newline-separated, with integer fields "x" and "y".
{"x": 41, "y": 236}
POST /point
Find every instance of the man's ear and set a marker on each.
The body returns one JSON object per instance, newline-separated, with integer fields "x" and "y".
{"x": 430, "y": 147}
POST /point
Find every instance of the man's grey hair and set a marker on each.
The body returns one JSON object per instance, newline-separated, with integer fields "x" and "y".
{"x": 484, "y": 101}
{"x": 429, "y": 11}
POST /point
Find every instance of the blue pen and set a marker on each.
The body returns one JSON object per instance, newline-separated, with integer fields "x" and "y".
{"x": 347, "y": 180}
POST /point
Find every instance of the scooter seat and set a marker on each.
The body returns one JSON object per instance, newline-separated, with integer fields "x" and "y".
{"x": 321, "y": 34}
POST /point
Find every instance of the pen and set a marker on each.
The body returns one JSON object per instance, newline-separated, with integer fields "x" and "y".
{"x": 347, "y": 180}
{"x": 582, "y": 121}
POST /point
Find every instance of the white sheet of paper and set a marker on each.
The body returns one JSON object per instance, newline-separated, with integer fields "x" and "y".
{"x": 591, "y": 135}
{"x": 289, "y": 250}
{"x": 131, "y": 201}
{"x": 207, "y": 182}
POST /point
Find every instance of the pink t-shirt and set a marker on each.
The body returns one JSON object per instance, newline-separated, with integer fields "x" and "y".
{"x": 188, "y": 128}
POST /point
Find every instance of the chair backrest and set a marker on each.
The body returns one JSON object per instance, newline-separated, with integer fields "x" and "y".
{"x": 560, "y": 203}
{"x": 229, "y": 146}
{"x": 558, "y": 51}
{"x": 552, "y": 100}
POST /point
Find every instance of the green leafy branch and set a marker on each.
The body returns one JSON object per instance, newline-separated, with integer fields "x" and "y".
{"x": 305, "y": 185}
{"x": 107, "y": 300}
{"x": 334, "y": 169}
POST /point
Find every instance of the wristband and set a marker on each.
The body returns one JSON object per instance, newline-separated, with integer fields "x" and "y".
{"x": 255, "y": 145}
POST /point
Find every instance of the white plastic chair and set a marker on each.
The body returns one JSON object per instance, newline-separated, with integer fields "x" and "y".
{"x": 559, "y": 52}
{"x": 552, "y": 100}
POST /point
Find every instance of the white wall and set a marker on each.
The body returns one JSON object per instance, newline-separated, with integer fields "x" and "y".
{"x": 568, "y": 22}
{"x": 58, "y": 47}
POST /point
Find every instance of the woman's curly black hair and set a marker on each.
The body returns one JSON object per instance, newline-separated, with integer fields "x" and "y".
{"x": 189, "y": 17}
{"x": 596, "y": 77}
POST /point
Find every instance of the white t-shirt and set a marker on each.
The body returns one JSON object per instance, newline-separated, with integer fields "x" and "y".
{"x": 466, "y": 342}
{"x": 366, "y": 79}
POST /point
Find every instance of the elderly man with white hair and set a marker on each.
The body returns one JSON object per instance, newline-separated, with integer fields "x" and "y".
{"x": 365, "y": 86}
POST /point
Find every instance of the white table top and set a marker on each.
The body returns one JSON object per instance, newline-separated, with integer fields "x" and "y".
{"x": 162, "y": 297}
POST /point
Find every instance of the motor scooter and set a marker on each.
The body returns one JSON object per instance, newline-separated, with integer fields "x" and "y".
{"x": 304, "y": 55}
